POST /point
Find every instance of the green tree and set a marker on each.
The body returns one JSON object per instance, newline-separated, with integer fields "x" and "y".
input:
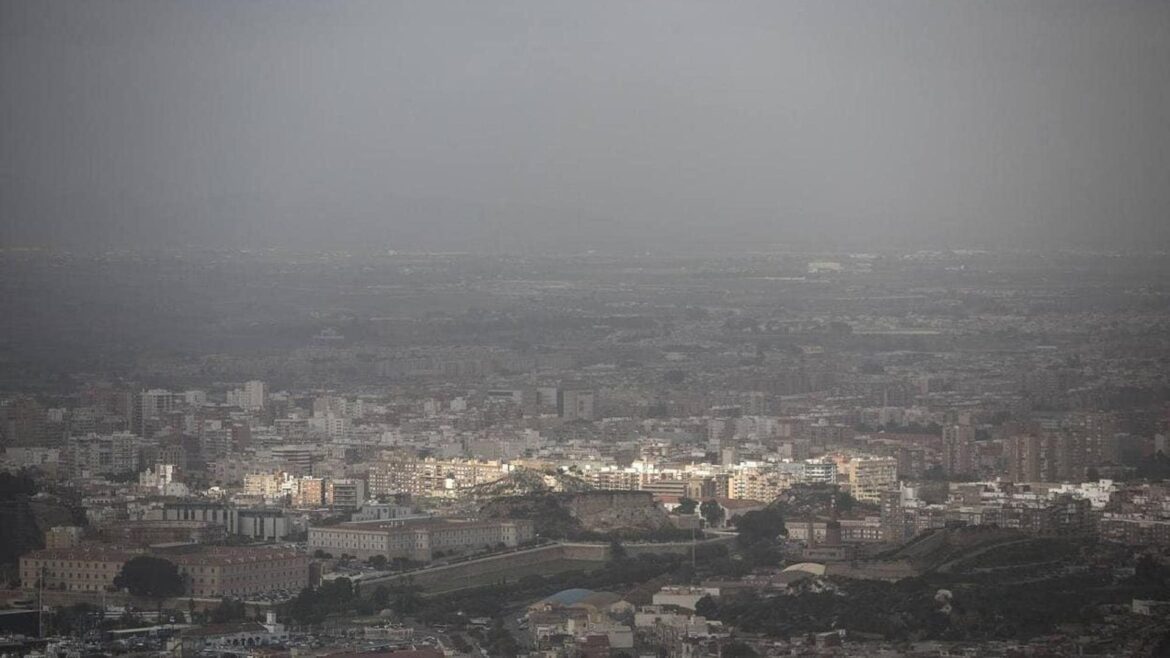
{"x": 706, "y": 607}
{"x": 304, "y": 607}
{"x": 763, "y": 553}
{"x": 76, "y": 619}
{"x": 406, "y": 599}
{"x": 760, "y": 525}
{"x": 844, "y": 501}
{"x": 15, "y": 485}
{"x": 381, "y": 596}
{"x": 151, "y": 577}
{"x": 313, "y": 606}
{"x": 712, "y": 512}
{"x": 378, "y": 562}
{"x": 499, "y": 640}
{"x": 616, "y": 550}
{"x": 686, "y": 506}
{"x": 228, "y": 610}
{"x": 338, "y": 591}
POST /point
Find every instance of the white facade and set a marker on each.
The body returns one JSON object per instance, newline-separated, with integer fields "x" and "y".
{"x": 869, "y": 477}
{"x": 683, "y": 597}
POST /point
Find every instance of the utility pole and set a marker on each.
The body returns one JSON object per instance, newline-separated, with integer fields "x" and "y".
{"x": 41, "y": 602}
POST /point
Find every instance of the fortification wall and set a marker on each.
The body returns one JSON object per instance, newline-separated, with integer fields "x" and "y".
{"x": 507, "y": 565}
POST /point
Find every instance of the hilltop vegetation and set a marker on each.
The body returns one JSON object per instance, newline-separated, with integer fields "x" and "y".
{"x": 979, "y": 585}
{"x": 812, "y": 500}
{"x": 938, "y": 548}
{"x": 527, "y": 482}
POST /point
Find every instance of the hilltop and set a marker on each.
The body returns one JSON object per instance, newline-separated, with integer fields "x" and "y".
{"x": 586, "y": 514}
{"x": 527, "y": 482}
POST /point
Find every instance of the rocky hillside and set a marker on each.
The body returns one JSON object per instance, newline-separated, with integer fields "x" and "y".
{"x": 25, "y": 516}
{"x": 579, "y": 515}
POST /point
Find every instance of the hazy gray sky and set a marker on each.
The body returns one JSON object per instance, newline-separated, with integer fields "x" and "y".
{"x": 435, "y": 124}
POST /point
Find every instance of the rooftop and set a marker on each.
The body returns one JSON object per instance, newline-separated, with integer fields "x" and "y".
{"x": 567, "y": 596}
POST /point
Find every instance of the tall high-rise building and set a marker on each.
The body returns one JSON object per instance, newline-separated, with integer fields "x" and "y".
{"x": 1032, "y": 457}
{"x": 153, "y": 408}
{"x": 195, "y": 398}
{"x": 958, "y": 449}
{"x": 1092, "y": 438}
{"x": 345, "y": 493}
{"x": 575, "y": 403}
{"x": 251, "y": 397}
{"x": 102, "y": 454}
{"x": 309, "y": 493}
{"x": 241, "y": 435}
{"x": 893, "y": 517}
{"x": 869, "y": 477}
{"x": 254, "y": 395}
{"x": 156, "y": 402}
{"x": 22, "y": 423}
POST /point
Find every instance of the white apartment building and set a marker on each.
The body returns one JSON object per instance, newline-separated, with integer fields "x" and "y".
{"x": 416, "y": 540}
{"x": 870, "y": 476}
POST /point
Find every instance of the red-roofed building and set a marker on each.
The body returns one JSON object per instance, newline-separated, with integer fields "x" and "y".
{"x": 418, "y": 540}
{"x": 84, "y": 568}
{"x": 213, "y": 572}
{"x": 242, "y": 571}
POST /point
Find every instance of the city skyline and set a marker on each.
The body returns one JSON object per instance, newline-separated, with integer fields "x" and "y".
{"x": 534, "y": 329}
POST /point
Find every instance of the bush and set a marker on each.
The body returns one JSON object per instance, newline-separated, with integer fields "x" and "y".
{"x": 227, "y": 610}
